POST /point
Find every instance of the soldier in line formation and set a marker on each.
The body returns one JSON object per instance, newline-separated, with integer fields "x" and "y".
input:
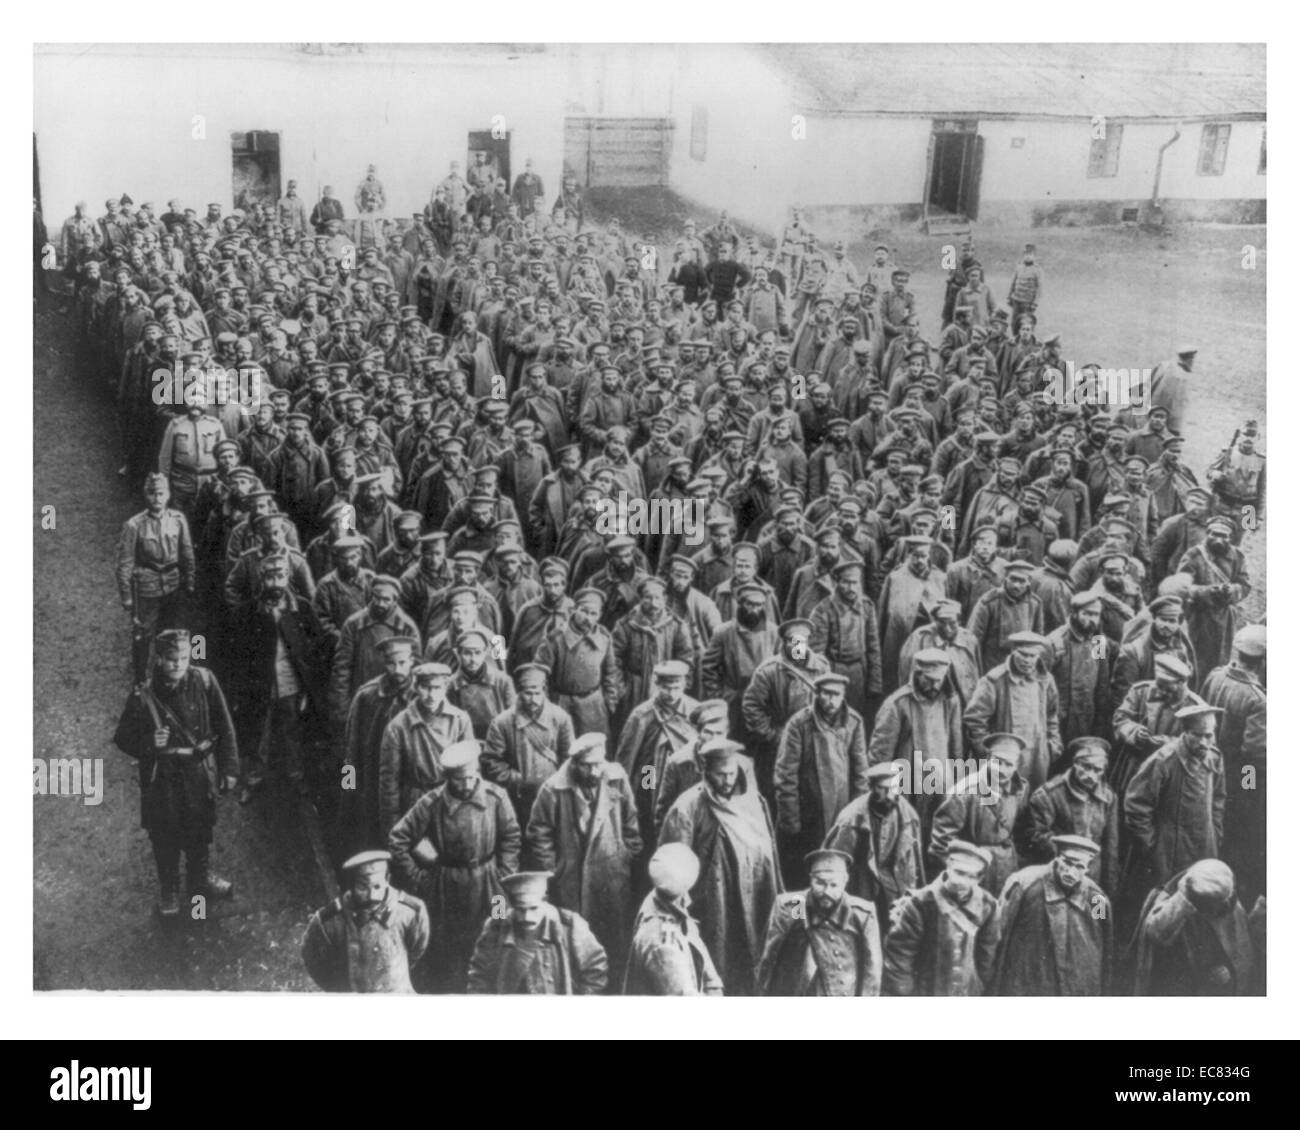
{"x": 948, "y": 658}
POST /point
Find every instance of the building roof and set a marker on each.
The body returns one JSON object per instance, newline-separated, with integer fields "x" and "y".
{"x": 1026, "y": 80}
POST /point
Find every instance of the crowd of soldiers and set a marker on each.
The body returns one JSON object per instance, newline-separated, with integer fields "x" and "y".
{"x": 949, "y": 693}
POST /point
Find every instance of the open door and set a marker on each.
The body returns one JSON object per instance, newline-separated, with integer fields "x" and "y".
{"x": 971, "y": 179}
{"x": 255, "y": 167}
{"x": 953, "y": 167}
{"x": 496, "y": 154}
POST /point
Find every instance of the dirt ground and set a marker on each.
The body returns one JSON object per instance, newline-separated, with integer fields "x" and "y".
{"x": 95, "y": 889}
{"x": 1120, "y": 297}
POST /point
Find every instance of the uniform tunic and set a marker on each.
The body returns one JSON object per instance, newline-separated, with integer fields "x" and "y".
{"x": 668, "y": 957}
{"x": 996, "y": 617}
{"x": 1060, "y": 809}
{"x": 808, "y": 953}
{"x": 178, "y": 784}
{"x": 585, "y": 679}
{"x": 848, "y": 636}
{"x": 477, "y": 841}
{"x": 942, "y": 948}
{"x": 350, "y": 948}
{"x": 1212, "y": 616}
{"x": 560, "y": 957}
{"x": 639, "y": 644}
{"x": 482, "y": 696}
{"x": 155, "y": 556}
{"x": 521, "y": 752}
{"x": 1082, "y": 682}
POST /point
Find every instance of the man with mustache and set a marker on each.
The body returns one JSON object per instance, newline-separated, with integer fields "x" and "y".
{"x": 821, "y": 764}
{"x": 945, "y": 633}
{"x": 822, "y": 942}
{"x": 376, "y": 704}
{"x": 1019, "y": 697}
{"x": 1076, "y": 802}
{"x": 943, "y": 940}
{"x": 1080, "y": 659}
{"x": 539, "y": 949}
{"x": 846, "y": 632}
{"x": 657, "y": 727}
{"x": 1057, "y": 935}
{"x": 585, "y": 679}
{"x": 176, "y": 726}
{"x": 913, "y": 587}
{"x": 282, "y": 657}
{"x": 920, "y": 726}
{"x": 1220, "y": 582}
{"x": 880, "y": 832}
{"x": 1146, "y": 717}
{"x": 369, "y": 938}
{"x": 583, "y": 829}
{"x": 1001, "y": 612}
{"x": 452, "y": 848}
{"x": 528, "y": 741}
{"x": 725, "y": 822}
{"x": 737, "y": 649}
{"x": 1173, "y": 807}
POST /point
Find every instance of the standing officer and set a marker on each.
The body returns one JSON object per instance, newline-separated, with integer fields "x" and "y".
{"x": 178, "y": 729}
{"x": 187, "y": 456}
{"x": 155, "y": 569}
{"x": 367, "y": 939}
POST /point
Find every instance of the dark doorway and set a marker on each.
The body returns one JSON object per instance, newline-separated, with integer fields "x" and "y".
{"x": 496, "y": 154}
{"x": 956, "y": 161}
{"x": 255, "y": 163}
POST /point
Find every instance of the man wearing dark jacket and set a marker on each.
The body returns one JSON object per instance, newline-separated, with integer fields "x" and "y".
{"x": 726, "y": 276}
{"x": 178, "y": 730}
{"x": 282, "y": 645}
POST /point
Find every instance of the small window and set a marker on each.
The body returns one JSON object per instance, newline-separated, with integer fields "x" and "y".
{"x": 1214, "y": 150}
{"x": 1103, "y": 157}
{"x": 1263, "y": 150}
{"x": 699, "y": 132}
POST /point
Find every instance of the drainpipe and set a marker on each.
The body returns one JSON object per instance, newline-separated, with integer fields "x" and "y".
{"x": 1155, "y": 214}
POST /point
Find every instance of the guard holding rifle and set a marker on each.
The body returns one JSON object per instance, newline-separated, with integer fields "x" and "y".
{"x": 178, "y": 729}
